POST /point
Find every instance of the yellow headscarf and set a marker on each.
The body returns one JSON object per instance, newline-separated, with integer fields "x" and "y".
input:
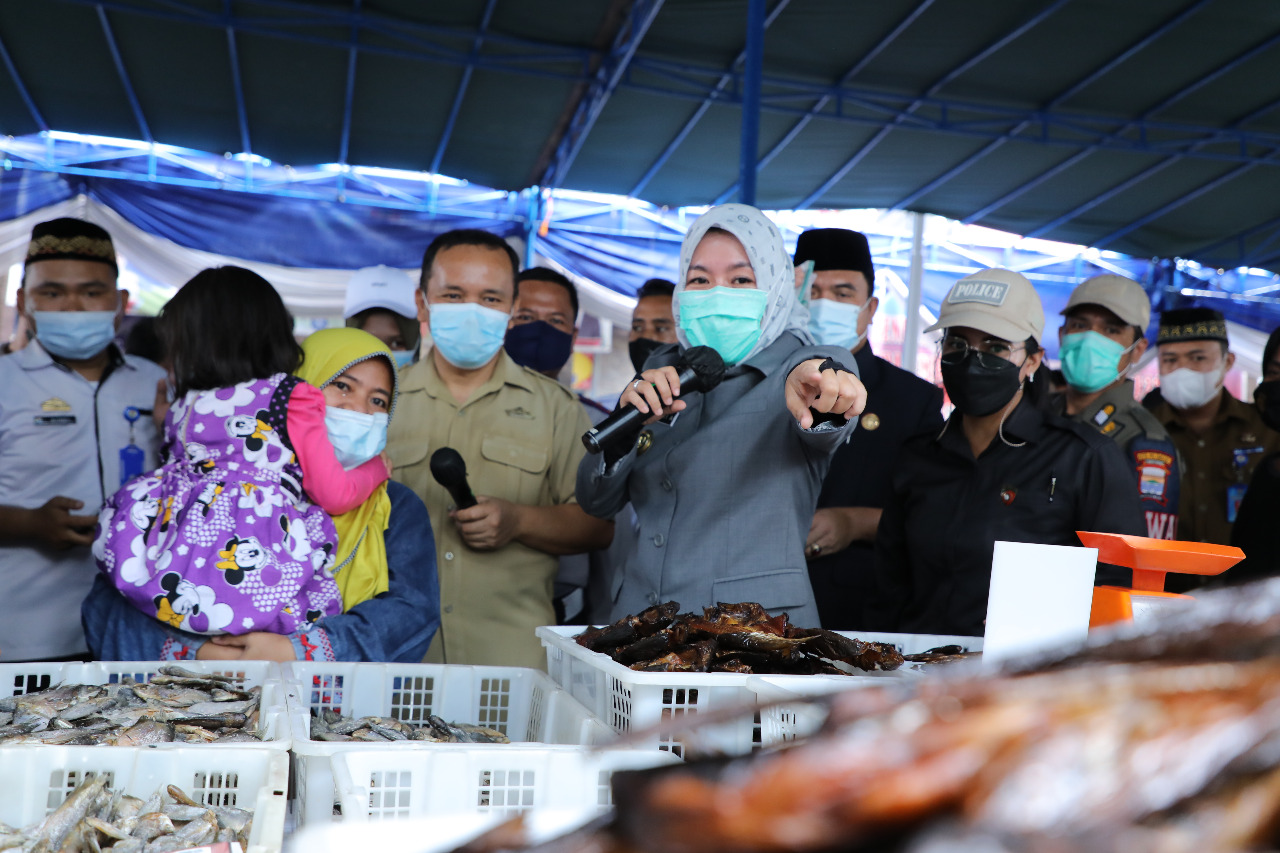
{"x": 361, "y": 566}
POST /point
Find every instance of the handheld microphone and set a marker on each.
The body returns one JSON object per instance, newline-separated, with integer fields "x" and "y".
{"x": 450, "y": 471}
{"x": 699, "y": 369}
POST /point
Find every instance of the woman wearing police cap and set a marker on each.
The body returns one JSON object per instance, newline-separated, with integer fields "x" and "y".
{"x": 1001, "y": 468}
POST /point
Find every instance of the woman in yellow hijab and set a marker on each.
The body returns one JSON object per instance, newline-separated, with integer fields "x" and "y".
{"x": 385, "y": 565}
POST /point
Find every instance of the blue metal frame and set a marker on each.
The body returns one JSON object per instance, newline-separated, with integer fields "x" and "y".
{"x": 401, "y": 29}
{"x": 348, "y": 98}
{"x": 1170, "y": 206}
{"x": 994, "y": 122}
{"x": 879, "y": 136}
{"x": 242, "y": 113}
{"x": 1268, "y": 159}
{"x": 458, "y": 96}
{"x": 753, "y": 74}
{"x": 603, "y": 83}
{"x": 1136, "y": 125}
{"x": 23, "y": 92}
{"x": 822, "y": 101}
{"x": 1058, "y": 100}
{"x": 124, "y": 75}
{"x": 1244, "y": 256}
{"x": 725, "y": 80}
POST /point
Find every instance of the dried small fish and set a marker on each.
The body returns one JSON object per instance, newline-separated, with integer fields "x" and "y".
{"x": 127, "y": 713}
{"x": 63, "y": 820}
{"x": 388, "y": 730}
{"x": 144, "y": 732}
{"x": 153, "y": 825}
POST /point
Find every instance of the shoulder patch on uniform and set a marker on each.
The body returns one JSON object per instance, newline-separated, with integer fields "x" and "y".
{"x": 55, "y": 404}
{"x": 1112, "y": 428}
{"x": 1104, "y": 414}
{"x": 1153, "y": 467}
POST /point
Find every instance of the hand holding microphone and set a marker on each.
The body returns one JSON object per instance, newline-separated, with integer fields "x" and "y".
{"x": 450, "y": 471}
{"x": 654, "y": 395}
{"x": 485, "y": 524}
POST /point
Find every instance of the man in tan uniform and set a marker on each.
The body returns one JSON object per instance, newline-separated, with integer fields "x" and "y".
{"x": 1221, "y": 440}
{"x": 1102, "y": 338}
{"x": 520, "y": 436}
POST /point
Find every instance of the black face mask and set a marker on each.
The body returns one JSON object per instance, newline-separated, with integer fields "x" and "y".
{"x": 980, "y": 385}
{"x": 1267, "y": 398}
{"x": 539, "y": 346}
{"x": 640, "y": 349}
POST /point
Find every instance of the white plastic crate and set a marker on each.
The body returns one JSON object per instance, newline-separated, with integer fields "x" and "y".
{"x": 626, "y": 699}
{"x": 787, "y": 715}
{"x": 791, "y": 717}
{"x": 524, "y": 704}
{"x": 34, "y": 782}
{"x": 388, "y": 783}
{"x": 438, "y": 834}
{"x": 19, "y": 678}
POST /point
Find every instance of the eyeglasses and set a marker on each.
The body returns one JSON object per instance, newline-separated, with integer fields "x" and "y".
{"x": 989, "y": 352}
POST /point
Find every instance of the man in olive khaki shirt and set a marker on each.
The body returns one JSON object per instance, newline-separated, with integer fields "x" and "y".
{"x": 1220, "y": 439}
{"x": 520, "y": 436}
{"x": 1103, "y": 337}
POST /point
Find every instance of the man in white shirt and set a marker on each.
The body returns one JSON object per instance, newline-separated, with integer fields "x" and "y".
{"x": 74, "y": 425}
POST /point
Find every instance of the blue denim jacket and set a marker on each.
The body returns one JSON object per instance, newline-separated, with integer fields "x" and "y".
{"x": 396, "y": 626}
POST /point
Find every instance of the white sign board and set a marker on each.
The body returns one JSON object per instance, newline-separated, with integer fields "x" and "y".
{"x": 1040, "y": 598}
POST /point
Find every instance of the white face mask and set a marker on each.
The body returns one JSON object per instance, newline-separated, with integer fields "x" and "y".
{"x": 1185, "y": 388}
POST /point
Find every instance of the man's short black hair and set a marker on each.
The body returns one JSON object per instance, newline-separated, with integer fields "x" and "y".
{"x": 469, "y": 237}
{"x": 656, "y": 287}
{"x": 546, "y": 274}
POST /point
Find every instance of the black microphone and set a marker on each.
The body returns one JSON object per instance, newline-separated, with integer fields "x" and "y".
{"x": 699, "y": 369}
{"x": 450, "y": 471}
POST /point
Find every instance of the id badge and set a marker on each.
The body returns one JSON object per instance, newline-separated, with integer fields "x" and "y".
{"x": 1235, "y": 494}
{"x": 132, "y": 459}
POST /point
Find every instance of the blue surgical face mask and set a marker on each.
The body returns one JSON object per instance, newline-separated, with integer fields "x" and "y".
{"x": 1090, "y": 360}
{"x": 539, "y": 346}
{"x": 467, "y": 334}
{"x": 74, "y": 335}
{"x": 403, "y": 357}
{"x": 835, "y": 323}
{"x": 727, "y": 319}
{"x": 356, "y": 437}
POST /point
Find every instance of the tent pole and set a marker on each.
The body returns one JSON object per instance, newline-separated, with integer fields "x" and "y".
{"x": 531, "y": 227}
{"x": 752, "y": 78}
{"x": 915, "y": 289}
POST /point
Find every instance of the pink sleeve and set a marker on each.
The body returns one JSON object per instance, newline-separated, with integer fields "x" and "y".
{"x": 335, "y": 490}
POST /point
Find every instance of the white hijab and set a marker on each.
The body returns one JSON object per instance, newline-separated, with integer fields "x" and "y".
{"x": 769, "y": 261}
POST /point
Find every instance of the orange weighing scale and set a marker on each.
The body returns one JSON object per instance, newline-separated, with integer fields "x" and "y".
{"x": 1150, "y": 560}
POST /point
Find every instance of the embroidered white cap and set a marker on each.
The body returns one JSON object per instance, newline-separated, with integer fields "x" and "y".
{"x": 381, "y": 287}
{"x": 999, "y": 302}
